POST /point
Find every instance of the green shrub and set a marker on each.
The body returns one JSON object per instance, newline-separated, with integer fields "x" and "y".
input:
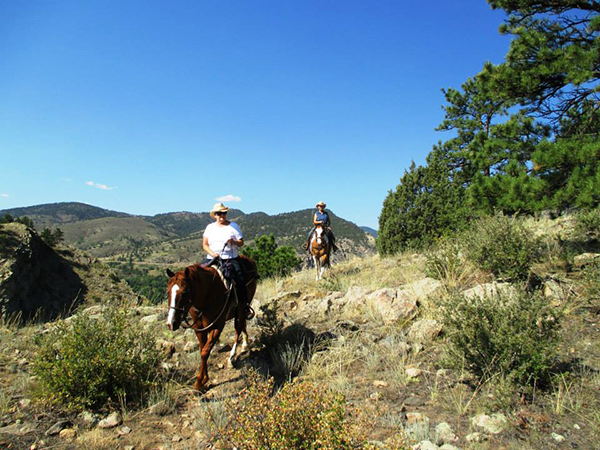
{"x": 587, "y": 224}
{"x": 511, "y": 335}
{"x": 91, "y": 362}
{"x": 301, "y": 415}
{"x": 501, "y": 245}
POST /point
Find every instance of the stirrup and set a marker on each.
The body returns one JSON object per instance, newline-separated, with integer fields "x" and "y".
{"x": 249, "y": 313}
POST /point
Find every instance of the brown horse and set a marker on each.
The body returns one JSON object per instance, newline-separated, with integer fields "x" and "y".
{"x": 200, "y": 291}
{"x": 320, "y": 249}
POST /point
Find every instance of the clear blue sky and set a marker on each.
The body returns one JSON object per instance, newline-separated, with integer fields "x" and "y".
{"x": 150, "y": 106}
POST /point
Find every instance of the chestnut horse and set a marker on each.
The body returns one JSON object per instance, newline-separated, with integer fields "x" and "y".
{"x": 200, "y": 291}
{"x": 320, "y": 249}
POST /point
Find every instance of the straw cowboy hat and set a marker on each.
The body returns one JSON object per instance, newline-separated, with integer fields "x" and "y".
{"x": 323, "y": 204}
{"x": 218, "y": 207}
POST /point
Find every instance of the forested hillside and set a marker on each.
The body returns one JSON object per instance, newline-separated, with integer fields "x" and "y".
{"x": 176, "y": 237}
{"x": 523, "y": 134}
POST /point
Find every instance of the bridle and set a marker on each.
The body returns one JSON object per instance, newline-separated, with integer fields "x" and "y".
{"x": 184, "y": 321}
{"x": 321, "y": 243}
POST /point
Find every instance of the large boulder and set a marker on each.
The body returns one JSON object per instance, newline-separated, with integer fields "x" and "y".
{"x": 393, "y": 304}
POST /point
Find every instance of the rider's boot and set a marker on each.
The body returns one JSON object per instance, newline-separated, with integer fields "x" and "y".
{"x": 244, "y": 306}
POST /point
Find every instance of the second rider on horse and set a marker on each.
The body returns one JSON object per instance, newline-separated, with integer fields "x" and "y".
{"x": 221, "y": 239}
{"x": 321, "y": 217}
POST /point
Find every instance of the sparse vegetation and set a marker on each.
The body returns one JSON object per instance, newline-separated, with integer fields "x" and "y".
{"x": 537, "y": 372}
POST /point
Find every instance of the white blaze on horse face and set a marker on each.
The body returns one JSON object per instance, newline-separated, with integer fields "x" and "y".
{"x": 319, "y": 232}
{"x": 171, "y": 316}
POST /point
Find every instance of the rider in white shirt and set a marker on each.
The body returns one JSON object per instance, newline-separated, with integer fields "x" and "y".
{"x": 222, "y": 239}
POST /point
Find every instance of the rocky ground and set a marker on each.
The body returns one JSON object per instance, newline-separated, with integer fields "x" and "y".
{"x": 376, "y": 339}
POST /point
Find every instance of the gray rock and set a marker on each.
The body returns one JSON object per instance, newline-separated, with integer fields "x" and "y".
{"x": 557, "y": 437}
{"x": 489, "y": 290}
{"x": 58, "y": 427}
{"x": 446, "y": 433}
{"x": 476, "y": 437}
{"x": 425, "y": 445}
{"x": 393, "y": 304}
{"x": 423, "y": 288}
{"x": 585, "y": 259}
{"x": 494, "y": 424}
{"x": 112, "y": 420}
{"x": 424, "y": 330}
{"x": 89, "y": 419}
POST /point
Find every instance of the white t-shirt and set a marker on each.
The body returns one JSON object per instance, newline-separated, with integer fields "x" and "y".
{"x": 217, "y": 237}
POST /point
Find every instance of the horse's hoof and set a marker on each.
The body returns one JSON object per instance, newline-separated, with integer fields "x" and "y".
{"x": 200, "y": 388}
{"x": 230, "y": 364}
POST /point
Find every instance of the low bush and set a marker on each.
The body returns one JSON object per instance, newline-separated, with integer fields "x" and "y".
{"x": 587, "y": 224}
{"x": 501, "y": 245}
{"x": 90, "y": 362}
{"x": 301, "y": 415}
{"x": 511, "y": 335}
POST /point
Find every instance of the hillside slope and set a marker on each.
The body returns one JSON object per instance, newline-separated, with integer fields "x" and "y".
{"x": 39, "y": 281}
{"x": 176, "y": 237}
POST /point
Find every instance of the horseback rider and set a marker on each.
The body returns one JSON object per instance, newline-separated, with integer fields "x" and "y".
{"x": 221, "y": 239}
{"x": 321, "y": 217}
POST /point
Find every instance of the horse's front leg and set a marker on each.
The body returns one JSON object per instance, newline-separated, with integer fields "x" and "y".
{"x": 207, "y": 342}
{"x": 240, "y": 330}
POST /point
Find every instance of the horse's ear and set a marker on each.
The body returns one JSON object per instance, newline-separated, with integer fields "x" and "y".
{"x": 170, "y": 273}
{"x": 187, "y": 272}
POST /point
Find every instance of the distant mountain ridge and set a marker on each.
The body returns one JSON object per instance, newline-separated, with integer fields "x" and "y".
{"x": 177, "y": 236}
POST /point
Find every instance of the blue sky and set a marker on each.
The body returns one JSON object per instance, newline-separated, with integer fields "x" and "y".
{"x": 149, "y": 107}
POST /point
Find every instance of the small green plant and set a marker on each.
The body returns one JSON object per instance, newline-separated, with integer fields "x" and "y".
{"x": 91, "y": 362}
{"x": 448, "y": 264}
{"x": 301, "y": 415}
{"x": 513, "y": 336}
{"x": 503, "y": 246}
{"x": 269, "y": 324}
{"x": 589, "y": 281}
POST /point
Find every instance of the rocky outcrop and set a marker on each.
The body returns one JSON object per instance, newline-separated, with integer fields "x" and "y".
{"x": 35, "y": 280}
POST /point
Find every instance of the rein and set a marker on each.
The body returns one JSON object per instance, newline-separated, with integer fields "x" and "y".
{"x": 185, "y": 324}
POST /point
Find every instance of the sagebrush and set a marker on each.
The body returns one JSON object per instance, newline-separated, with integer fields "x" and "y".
{"x": 503, "y": 246}
{"x": 302, "y": 415}
{"x": 91, "y": 362}
{"x": 513, "y": 335}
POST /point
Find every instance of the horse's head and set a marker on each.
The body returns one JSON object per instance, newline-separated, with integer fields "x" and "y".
{"x": 319, "y": 235}
{"x": 179, "y": 297}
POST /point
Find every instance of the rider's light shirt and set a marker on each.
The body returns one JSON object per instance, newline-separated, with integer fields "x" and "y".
{"x": 217, "y": 237}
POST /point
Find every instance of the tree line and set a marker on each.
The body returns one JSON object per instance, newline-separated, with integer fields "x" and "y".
{"x": 524, "y": 132}
{"x": 50, "y": 237}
